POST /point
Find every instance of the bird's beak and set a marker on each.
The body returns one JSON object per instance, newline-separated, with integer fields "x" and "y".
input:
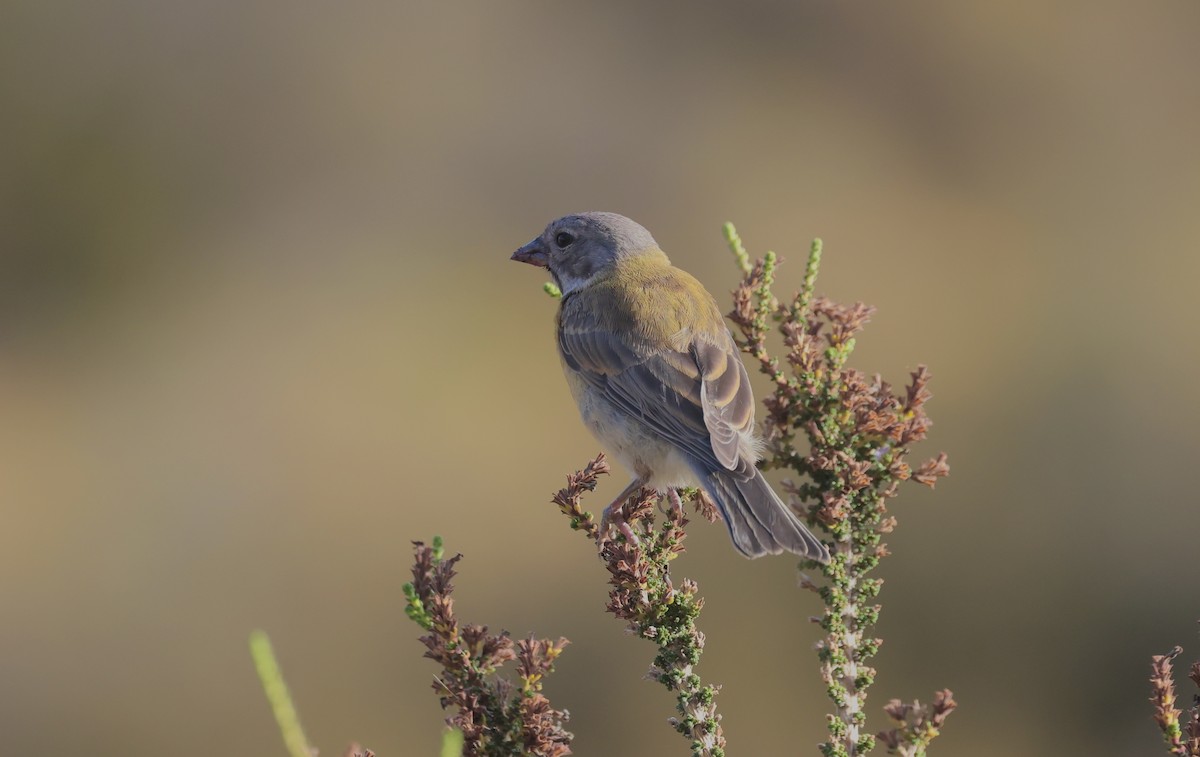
{"x": 533, "y": 253}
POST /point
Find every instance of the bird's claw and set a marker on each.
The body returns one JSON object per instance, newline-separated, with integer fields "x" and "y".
{"x": 676, "y": 501}
{"x": 614, "y": 518}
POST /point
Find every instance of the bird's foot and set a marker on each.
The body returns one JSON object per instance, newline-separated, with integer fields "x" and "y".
{"x": 614, "y": 515}
{"x": 614, "y": 519}
{"x": 676, "y": 502}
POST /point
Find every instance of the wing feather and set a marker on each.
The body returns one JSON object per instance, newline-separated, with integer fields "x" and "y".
{"x": 696, "y": 393}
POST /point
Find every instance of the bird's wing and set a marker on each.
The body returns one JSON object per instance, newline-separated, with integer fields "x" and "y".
{"x": 726, "y": 398}
{"x": 696, "y": 393}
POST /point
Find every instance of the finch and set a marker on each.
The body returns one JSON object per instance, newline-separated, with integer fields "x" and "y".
{"x": 658, "y": 378}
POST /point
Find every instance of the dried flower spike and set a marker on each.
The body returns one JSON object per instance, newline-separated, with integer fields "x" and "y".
{"x": 1181, "y": 740}
{"x": 495, "y": 717}
{"x": 644, "y": 595}
{"x": 858, "y": 432}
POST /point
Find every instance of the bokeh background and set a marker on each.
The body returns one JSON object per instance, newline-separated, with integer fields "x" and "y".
{"x": 259, "y": 330}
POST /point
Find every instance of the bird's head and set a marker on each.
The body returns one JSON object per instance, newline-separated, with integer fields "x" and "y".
{"x": 577, "y": 249}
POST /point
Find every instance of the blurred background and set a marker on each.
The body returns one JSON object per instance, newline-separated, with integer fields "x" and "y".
{"x": 259, "y": 330}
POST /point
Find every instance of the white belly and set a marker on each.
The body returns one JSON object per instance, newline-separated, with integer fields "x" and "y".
{"x": 635, "y": 445}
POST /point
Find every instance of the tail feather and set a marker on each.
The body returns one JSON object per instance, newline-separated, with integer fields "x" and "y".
{"x": 759, "y": 522}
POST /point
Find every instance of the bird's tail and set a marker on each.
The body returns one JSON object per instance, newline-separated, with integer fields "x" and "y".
{"x": 760, "y": 523}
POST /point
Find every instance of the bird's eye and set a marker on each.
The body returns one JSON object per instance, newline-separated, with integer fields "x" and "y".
{"x": 563, "y": 240}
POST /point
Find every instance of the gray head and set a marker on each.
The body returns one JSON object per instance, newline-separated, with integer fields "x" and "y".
{"x": 578, "y": 248}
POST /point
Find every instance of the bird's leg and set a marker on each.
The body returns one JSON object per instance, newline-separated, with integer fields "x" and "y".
{"x": 614, "y": 517}
{"x": 676, "y": 501}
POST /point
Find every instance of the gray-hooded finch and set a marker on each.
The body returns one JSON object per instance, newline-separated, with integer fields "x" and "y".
{"x": 658, "y": 377}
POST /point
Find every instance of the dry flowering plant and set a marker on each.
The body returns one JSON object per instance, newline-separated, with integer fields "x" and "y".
{"x": 1183, "y": 740}
{"x": 844, "y": 438}
{"x": 496, "y": 716}
{"x": 843, "y": 435}
{"x": 643, "y": 594}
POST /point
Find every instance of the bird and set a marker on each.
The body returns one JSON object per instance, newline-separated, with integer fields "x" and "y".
{"x": 658, "y": 377}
